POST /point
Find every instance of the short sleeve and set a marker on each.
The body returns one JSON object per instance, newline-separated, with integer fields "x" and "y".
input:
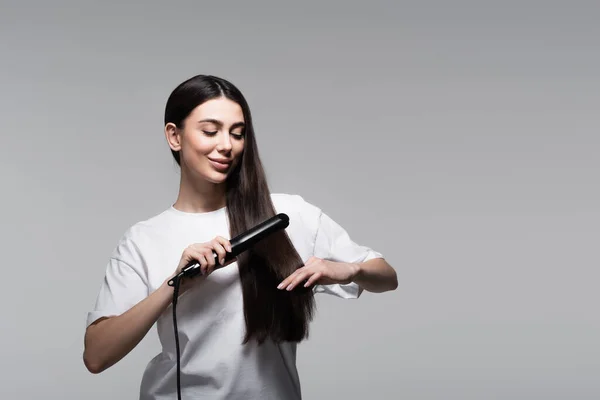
{"x": 332, "y": 242}
{"x": 124, "y": 286}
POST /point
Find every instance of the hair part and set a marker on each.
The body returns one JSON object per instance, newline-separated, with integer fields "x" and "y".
{"x": 269, "y": 313}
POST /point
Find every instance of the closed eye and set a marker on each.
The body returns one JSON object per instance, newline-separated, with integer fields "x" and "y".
{"x": 210, "y": 133}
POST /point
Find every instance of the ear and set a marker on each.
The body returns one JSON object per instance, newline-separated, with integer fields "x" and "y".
{"x": 173, "y": 136}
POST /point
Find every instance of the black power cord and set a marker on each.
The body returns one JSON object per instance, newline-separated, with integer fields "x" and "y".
{"x": 176, "y": 282}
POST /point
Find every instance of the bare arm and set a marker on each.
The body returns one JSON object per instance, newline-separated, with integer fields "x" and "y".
{"x": 110, "y": 339}
{"x": 376, "y": 275}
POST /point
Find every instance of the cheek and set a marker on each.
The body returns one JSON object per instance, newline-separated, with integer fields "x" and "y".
{"x": 238, "y": 151}
{"x": 195, "y": 151}
{"x": 238, "y": 147}
{"x": 202, "y": 145}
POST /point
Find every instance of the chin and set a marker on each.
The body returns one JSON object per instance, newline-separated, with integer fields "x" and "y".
{"x": 216, "y": 177}
{"x": 209, "y": 176}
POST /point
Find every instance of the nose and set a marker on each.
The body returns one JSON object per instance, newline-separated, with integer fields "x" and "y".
{"x": 224, "y": 143}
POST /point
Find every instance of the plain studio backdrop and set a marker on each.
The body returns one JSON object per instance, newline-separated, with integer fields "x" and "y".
{"x": 458, "y": 139}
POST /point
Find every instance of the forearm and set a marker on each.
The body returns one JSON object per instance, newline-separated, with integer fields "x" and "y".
{"x": 376, "y": 275}
{"x": 113, "y": 338}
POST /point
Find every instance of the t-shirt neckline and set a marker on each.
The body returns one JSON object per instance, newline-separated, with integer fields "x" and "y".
{"x": 175, "y": 211}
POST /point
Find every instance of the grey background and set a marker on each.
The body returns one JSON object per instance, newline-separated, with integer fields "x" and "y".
{"x": 460, "y": 139}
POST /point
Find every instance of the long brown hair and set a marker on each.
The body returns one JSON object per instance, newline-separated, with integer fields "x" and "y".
{"x": 270, "y": 313}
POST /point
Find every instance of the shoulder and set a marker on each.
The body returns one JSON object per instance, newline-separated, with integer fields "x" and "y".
{"x": 302, "y": 213}
{"x": 134, "y": 237}
{"x": 292, "y": 200}
{"x": 295, "y": 203}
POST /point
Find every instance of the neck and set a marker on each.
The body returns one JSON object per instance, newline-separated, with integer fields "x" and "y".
{"x": 199, "y": 196}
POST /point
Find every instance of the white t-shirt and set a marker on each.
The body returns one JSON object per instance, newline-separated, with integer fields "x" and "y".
{"x": 210, "y": 316}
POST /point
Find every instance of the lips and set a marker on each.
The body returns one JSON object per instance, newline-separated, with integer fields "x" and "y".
{"x": 220, "y": 164}
{"x": 221, "y": 160}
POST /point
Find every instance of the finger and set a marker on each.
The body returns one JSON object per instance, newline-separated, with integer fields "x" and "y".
{"x": 196, "y": 256}
{"x": 313, "y": 279}
{"x": 189, "y": 254}
{"x": 206, "y": 250}
{"x": 201, "y": 259}
{"x": 285, "y": 282}
{"x": 290, "y": 278}
{"x": 210, "y": 260}
{"x": 220, "y": 250}
{"x": 224, "y": 242}
{"x": 299, "y": 278}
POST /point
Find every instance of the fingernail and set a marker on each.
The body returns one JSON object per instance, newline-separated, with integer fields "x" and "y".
{"x": 289, "y": 288}
{"x": 280, "y": 286}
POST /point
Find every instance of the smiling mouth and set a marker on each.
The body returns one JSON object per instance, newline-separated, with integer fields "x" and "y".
{"x": 220, "y": 165}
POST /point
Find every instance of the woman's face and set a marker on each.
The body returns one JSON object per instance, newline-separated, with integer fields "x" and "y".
{"x": 211, "y": 141}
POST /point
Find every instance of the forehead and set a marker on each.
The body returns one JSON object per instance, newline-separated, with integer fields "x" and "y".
{"x": 221, "y": 109}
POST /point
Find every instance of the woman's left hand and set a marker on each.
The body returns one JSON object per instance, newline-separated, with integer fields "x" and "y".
{"x": 325, "y": 272}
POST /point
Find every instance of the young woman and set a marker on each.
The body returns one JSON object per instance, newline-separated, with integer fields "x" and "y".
{"x": 238, "y": 325}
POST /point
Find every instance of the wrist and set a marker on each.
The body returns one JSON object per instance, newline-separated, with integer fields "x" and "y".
{"x": 165, "y": 291}
{"x": 357, "y": 270}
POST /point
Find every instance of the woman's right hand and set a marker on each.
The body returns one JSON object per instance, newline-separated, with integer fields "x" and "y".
{"x": 203, "y": 253}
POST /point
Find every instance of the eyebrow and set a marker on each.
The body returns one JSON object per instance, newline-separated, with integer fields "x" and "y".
{"x": 219, "y": 123}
